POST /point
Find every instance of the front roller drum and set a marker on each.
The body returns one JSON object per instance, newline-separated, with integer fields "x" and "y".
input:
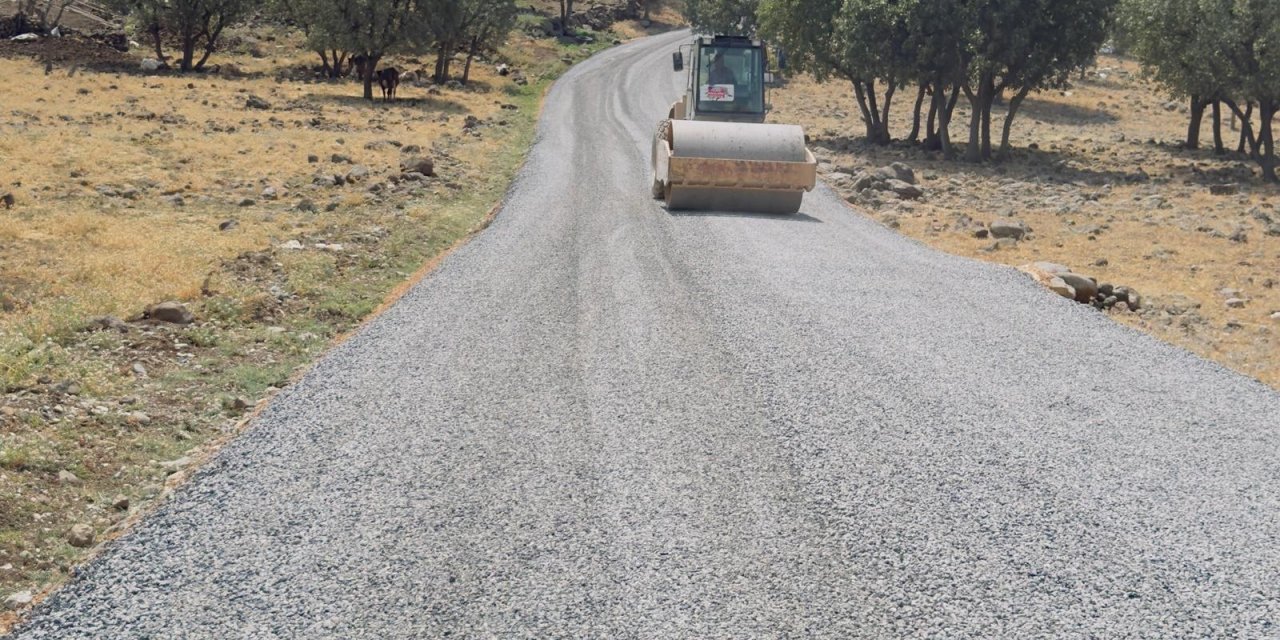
{"x": 732, "y": 167}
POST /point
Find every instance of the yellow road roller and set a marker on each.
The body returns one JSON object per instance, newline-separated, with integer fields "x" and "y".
{"x": 714, "y": 152}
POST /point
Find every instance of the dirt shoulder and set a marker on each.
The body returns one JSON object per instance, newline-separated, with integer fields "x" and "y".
{"x": 1106, "y": 190}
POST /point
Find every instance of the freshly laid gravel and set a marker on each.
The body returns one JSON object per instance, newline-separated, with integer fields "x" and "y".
{"x": 601, "y": 419}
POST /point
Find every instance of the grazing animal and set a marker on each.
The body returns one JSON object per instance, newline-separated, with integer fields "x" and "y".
{"x": 388, "y": 79}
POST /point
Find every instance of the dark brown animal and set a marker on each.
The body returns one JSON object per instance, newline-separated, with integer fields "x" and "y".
{"x": 388, "y": 79}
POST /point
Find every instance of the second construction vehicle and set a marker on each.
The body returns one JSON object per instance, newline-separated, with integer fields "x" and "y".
{"x": 714, "y": 152}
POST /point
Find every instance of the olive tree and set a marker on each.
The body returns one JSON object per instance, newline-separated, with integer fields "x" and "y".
{"x": 858, "y": 41}
{"x": 335, "y": 61}
{"x": 1181, "y": 45}
{"x": 367, "y": 30}
{"x": 196, "y": 25}
{"x": 466, "y": 25}
{"x": 1024, "y": 46}
{"x": 1215, "y": 52}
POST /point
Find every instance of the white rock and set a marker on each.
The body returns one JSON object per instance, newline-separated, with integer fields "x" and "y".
{"x": 151, "y": 64}
{"x": 26, "y": 37}
{"x": 174, "y": 465}
{"x": 292, "y": 245}
{"x": 18, "y": 600}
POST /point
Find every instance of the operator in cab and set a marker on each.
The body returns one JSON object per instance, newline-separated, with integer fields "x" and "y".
{"x": 719, "y": 73}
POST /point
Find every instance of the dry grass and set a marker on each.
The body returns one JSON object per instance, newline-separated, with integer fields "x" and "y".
{"x": 190, "y": 136}
{"x": 1107, "y": 182}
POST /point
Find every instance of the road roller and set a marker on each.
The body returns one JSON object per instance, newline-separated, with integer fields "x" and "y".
{"x": 714, "y": 151}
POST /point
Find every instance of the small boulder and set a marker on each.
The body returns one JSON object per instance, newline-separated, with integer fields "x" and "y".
{"x": 256, "y": 102}
{"x": 418, "y": 164}
{"x": 171, "y": 312}
{"x": 1236, "y": 303}
{"x": 7, "y": 200}
{"x": 120, "y": 502}
{"x": 1049, "y": 280}
{"x": 1008, "y": 228}
{"x": 357, "y": 173}
{"x": 903, "y": 189}
{"x": 18, "y": 600}
{"x": 1086, "y": 288}
{"x": 66, "y": 477}
{"x": 228, "y": 225}
{"x": 1052, "y": 267}
{"x": 107, "y": 323}
{"x": 80, "y": 536}
{"x": 175, "y": 465}
{"x": 151, "y": 64}
{"x": 1224, "y": 189}
{"x": 903, "y": 172}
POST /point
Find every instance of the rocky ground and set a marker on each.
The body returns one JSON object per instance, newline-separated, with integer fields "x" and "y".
{"x": 175, "y": 248}
{"x": 1182, "y": 244}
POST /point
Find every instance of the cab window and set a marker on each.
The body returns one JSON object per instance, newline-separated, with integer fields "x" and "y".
{"x": 729, "y": 82}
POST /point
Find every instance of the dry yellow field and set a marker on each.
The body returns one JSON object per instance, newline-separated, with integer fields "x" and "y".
{"x": 1106, "y": 191}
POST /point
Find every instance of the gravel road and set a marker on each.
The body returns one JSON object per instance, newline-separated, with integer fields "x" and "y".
{"x": 600, "y": 419}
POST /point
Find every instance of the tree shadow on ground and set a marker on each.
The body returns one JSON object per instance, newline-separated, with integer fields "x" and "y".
{"x": 1058, "y": 113}
{"x": 430, "y": 103}
{"x": 1171, "y": 162}
{"x": 1022, "y": 164}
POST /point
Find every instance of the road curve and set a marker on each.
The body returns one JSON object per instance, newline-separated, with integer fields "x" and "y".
{"x": 600, "y": 419}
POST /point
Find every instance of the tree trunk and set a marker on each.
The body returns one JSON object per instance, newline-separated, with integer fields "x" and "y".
{"x": 154, "y": 30}
{"x": 471, "y": 54}
{"x": 892, "y": 88}
{"x": 944, "y": 120}
{"x": 931, "y": 122}
{"x": 1267, "y": 109}
{"x": 986, "y": 126}
{"x": 188, "y": 51}
{"x": 873, "y": 118}
{"x": 1248, "y": 141}
{"x": 566, "y": 12}
{"x": 1016, "y": 102}
{"x": 1218, "y": 147}
{"x": 980, "y": 103}
{"x": 324, "y": 63}
{"x": 210, "y": 42}
{"x": 367, "y": 68}
{"x": 1197, "y": 116}
{"x": 915, "y": 115}
{"x": 444, "y": 55}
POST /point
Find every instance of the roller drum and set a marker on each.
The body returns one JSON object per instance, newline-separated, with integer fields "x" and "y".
{"x": 722, "y": 166}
